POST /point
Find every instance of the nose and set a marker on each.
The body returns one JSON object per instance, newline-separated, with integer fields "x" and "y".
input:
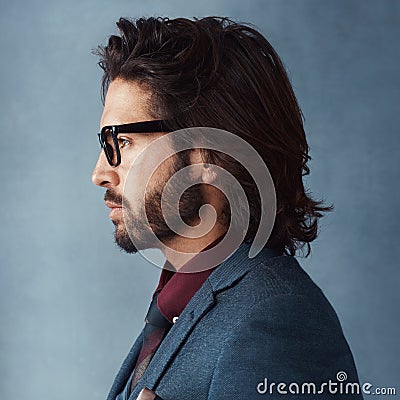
{"x": 104, "y": 175}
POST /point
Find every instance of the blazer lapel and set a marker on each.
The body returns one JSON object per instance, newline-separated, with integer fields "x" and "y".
{"x": 200, "y": 303}
{"x": 126, "y": 369}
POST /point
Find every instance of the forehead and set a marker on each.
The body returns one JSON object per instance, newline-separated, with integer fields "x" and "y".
{"x": 126, "y": 102}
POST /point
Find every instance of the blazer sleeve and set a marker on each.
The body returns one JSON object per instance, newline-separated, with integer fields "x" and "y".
{"x": 283, "y": 340}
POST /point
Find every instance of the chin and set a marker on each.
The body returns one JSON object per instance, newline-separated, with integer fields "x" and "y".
{"x": 123, "y": 241}
{"x": 126, "y": 245}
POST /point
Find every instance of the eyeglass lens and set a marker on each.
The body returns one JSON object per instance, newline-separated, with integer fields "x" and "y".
{"x": 109, "y": 144}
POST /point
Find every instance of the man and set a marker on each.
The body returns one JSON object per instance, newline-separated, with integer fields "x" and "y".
{"x": 227, "y": 320}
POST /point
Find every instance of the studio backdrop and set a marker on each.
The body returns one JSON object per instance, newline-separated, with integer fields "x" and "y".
{"x": 71, "y": 303}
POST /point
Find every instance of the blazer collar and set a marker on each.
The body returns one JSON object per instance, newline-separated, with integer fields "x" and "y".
{"x": 224, "y": 276}
{"x": 237, "y": 265}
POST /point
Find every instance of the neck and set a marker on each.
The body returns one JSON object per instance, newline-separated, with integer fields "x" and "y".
{"x": 180, "y": 249}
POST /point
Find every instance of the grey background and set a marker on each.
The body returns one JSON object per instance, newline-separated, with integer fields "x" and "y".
{"x": 71, "y": 302}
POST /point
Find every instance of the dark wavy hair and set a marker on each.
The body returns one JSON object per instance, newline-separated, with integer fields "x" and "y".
{"x": 217, "y": 72}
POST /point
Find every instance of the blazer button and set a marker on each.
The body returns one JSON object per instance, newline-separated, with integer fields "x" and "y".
{"x": 175, "y": 319}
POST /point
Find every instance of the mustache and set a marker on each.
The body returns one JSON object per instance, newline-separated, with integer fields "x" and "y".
{"x": 113, "y": 197}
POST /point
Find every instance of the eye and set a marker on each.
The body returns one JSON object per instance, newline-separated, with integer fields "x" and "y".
{"x": 123, "y": 142}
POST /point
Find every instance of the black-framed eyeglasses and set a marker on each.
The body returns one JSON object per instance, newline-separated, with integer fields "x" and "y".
{"x": 109, "y": 141}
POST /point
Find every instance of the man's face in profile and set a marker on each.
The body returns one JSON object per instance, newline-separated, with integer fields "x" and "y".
{"x": 127, "y": 102}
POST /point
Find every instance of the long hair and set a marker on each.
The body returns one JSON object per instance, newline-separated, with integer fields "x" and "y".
{"x": 216, "y": 72}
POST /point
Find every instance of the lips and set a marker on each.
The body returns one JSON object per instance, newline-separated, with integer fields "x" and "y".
{"x": 115, "y": 209}
{"x": 111, "y": 205}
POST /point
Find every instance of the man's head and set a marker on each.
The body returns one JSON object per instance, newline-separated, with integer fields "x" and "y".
{"x": 126, "y": 102}
{"x": 206, "y": 72}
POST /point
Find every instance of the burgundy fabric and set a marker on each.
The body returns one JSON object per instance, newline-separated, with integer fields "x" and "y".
{"x": 177, "y": 288}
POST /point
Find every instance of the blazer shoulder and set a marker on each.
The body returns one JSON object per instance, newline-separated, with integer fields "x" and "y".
{"x": 280, "y": 324}
{"x": 281, "y": 284}
{"x": 279, "y": 275}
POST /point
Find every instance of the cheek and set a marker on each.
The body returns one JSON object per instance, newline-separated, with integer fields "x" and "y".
{"x": 136, "y": 182}
{"x": 134, "y": 186}
{"x": 142, "y": 174}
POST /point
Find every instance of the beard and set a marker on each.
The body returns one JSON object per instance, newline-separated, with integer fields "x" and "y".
{"x": 142, "y": 232}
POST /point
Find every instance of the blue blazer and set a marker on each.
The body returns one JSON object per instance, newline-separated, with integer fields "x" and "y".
{"x": 253, "y": 324}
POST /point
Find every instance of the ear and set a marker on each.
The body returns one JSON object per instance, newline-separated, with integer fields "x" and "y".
{"x": 208, "y": 174}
